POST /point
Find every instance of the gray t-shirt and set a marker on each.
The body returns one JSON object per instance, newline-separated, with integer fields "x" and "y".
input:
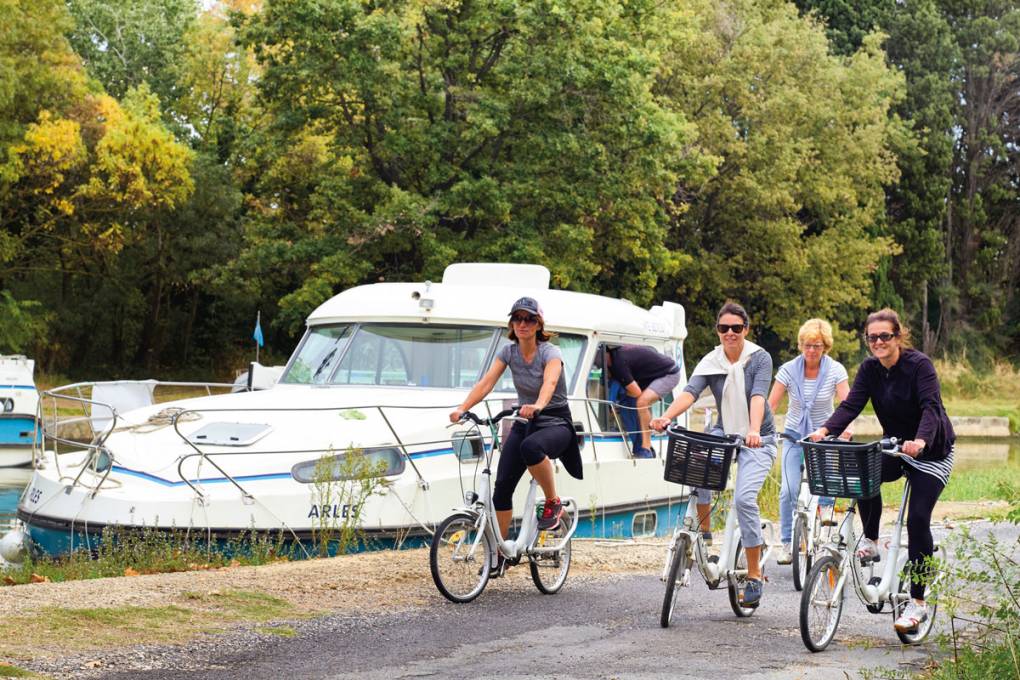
{"x": 757, "y": 377}
{"x": 528, "y": 378}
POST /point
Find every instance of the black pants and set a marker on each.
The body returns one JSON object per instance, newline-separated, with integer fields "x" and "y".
{"x": 924, "y": 492}
{"x": 524, "y": 446}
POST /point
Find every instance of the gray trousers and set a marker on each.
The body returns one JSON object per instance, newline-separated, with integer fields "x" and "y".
{"x": 753, "y": 467}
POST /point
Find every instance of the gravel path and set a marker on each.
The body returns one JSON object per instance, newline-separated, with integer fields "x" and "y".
{"x": 379, "y": 615}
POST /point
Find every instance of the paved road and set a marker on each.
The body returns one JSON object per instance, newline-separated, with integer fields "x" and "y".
{"x": 598, "y": 628}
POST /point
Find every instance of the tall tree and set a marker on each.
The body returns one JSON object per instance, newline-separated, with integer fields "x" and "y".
{"x": 426, "y": 132}
{"x": 805, "y": 145}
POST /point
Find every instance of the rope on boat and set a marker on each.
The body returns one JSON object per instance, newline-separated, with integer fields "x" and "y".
{"x": 163, "y": 418}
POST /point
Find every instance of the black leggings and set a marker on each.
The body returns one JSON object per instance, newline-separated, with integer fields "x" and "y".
{"x": 526, "y": 446}
{"x": 924, "y": 492}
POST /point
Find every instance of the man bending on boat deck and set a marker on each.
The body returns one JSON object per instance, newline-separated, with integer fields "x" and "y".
{"x": 646, "y": 375}
{"x": 537, "y": 369}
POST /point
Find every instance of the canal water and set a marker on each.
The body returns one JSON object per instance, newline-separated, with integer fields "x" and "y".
{"x": 971, "y": 455}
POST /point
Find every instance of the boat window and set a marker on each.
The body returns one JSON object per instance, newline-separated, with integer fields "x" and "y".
{"x": 385, "y": 462}
{"x": 318, "y": 354}
{"x": 414, "y": 356}
{"x": 643, "y": 524}
{"x": 571, "y": 347}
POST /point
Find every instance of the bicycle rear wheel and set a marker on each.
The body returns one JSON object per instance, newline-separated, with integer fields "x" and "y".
{"x": 802, "y": 555}
{"x": 549, "y": 570}
{"x": 820, "y": 604}
{"x": 918, "y": 635}
{"x": 460, "y": 569}
{"x": 677, "y": 567}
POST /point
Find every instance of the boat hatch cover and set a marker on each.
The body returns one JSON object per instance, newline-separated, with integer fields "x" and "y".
{"x": 230, "y": 434}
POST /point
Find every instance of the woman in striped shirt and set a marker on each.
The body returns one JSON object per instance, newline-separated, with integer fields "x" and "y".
{"x": 811, "y": 380}
{"x": 904, "y": 390}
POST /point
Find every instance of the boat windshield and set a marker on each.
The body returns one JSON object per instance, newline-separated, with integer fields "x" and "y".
{"x": 410, "y": 355}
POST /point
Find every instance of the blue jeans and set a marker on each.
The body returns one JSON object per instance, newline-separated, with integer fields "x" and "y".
{"x": 789, "y": 489}
{"x": 753, "y": 467}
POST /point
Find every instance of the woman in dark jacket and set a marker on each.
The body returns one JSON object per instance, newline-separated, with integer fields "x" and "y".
{"x": 904, "y": 390}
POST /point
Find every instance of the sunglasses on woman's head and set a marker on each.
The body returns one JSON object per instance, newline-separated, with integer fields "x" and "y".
{"x": 529, "y": 319}
{"x": 872, "y": 338}
{"x": 730, "y": 327}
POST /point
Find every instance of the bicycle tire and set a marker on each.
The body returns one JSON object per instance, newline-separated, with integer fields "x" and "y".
{"x": 677, "y": 566}
{"x": 557, "y": 564}
{"x": 802, "y": 555}
{"x": 459, "y": 576}
{"x": 735, "y": 585}
{"x": 824, "y": 575}
{"x": 918, "y": 635}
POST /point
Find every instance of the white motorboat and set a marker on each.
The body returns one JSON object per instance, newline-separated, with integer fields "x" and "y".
{"x": 378, "y": 369}
{"x": 18, "y": 404}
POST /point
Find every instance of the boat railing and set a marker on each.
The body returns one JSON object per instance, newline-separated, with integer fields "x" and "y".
{"x": 71, "y": 417}
{"x": 71, "y": 398}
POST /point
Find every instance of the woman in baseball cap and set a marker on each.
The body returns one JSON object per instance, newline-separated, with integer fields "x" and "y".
{"x": 537, "y": 369}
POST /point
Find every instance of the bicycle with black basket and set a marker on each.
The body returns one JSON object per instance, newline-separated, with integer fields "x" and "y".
{"x": 854, "y": 470}
{"x": 812, "y": 526}
{"x": 703, "y": 460}
{"x": 467, "y": 544}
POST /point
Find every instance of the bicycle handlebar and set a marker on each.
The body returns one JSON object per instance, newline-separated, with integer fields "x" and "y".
{"x": 890, "y": 446}
{"x": 468, "y": 415}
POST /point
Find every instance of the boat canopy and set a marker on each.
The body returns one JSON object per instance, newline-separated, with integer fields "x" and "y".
{"x": 482, "y": 294}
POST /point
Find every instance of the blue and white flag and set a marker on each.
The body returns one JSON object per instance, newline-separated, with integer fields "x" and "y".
{"x": 257, "y": 335}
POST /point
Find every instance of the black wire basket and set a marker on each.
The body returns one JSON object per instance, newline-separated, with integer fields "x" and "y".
{"x": 699, "y": 459}
{"x": 843, "y": 469}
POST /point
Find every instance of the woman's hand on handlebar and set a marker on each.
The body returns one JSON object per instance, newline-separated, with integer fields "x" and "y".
{"x": 659, "y": 424}
{"x": 456, "y": 415}
{"x": 818, "y": 434}
{"x": 847, "y": 434}
{"x": 528, "y": 411}
{"x": 913, "y": 448}
{"x": 752, "y": 440}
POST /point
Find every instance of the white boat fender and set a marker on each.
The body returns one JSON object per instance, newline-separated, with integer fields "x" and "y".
{"x": 14, "y": 546}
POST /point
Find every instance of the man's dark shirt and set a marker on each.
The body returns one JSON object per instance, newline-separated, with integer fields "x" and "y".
{"x": 907, "y": 401}
{"x": 637, "y": 363}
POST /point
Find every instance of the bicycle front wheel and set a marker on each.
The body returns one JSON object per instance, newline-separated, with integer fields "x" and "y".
{"x": 736, "y": 585}
{"x": 677, "y": 568}
{"x": 460, "y": 568}
{"x": 821, "y": 604}
{"x": 549, "y": 570}
{"x": 802, "y": 556}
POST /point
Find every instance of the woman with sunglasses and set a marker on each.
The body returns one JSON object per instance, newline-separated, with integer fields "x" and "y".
{"x": 738, "y": 373}
{"x": 537, "y": 369}
{"x": 811, "y": 380}
{"x": 904, "y": 391}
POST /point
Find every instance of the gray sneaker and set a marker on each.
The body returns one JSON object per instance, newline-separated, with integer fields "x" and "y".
{"x": 784, "y": 554}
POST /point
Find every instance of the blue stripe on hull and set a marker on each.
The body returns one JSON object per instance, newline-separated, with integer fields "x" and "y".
{"x": 17, "y": 430}
{"x": 619, "y": 525}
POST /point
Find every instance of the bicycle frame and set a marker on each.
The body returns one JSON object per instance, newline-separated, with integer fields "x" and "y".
{"x": 896, "y": 559}
{"x": 486, "y": 523}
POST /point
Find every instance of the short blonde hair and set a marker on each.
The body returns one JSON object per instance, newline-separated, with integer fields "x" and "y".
{"x": 816, "y": 329}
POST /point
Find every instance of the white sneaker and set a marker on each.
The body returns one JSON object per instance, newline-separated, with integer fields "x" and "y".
{"x": 867, "y": 549}
{"x": 913, "y": 615}
{"x": 783, "y": 554}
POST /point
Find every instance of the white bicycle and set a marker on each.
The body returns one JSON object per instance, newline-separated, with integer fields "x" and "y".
{"x": 853, "y": 470}
{"x": 812, "y": 527}
{"x": 467, "y": 544}
{"x": 703, "y": 460}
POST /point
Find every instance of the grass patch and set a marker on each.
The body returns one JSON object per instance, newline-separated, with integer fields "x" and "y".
{"x": 14, "y": 672}
{"x": 279, "y": 631}
{"x": 124, "y": 552}
{"x": 99, "y": 628}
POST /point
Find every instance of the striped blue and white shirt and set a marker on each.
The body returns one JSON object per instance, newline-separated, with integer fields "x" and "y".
{"x": 822, "y": 407}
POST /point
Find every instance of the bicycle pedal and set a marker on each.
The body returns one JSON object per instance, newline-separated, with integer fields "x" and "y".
{"x": 865, "y": 561}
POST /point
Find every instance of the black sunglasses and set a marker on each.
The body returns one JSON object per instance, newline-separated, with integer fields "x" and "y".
{"x": 875, "y": 337}
{"x": 728, "y": 327}
{"x": 530, "y": 318}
